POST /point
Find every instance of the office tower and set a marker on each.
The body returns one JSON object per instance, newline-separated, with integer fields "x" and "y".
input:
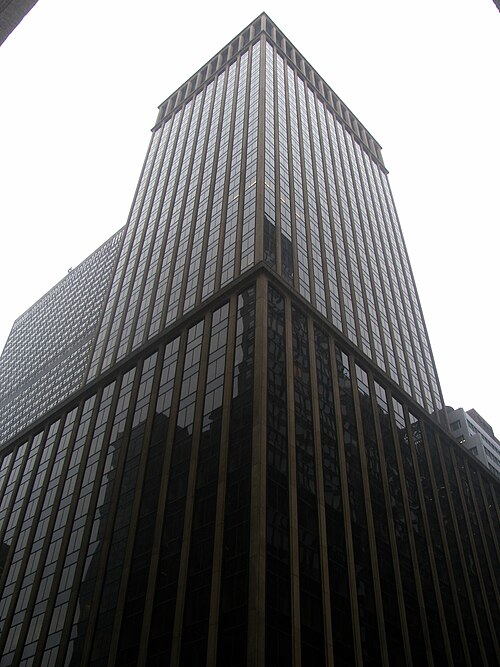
{"x": 11, "y": 14}
{"x": 252, "y": 471}
{"x": 46, "y": 353}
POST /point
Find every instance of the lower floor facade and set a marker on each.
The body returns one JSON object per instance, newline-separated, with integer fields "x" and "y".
{"x": 248, "y": 489}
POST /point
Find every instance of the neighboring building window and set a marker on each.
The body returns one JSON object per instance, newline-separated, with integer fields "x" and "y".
{"x": 472, "y": 428}
{"x": 455, "y": 425}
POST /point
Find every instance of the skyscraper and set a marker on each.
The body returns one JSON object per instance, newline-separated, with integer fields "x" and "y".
{"x": 250, "y": 469}
{"x": 47, "y": 351}
{"x": 11, "y": 14}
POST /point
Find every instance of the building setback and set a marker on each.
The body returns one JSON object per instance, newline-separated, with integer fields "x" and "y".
{"x": 251, "y": 469}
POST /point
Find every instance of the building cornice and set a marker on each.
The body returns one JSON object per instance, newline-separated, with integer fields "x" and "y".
{"x": 247, "y": 37}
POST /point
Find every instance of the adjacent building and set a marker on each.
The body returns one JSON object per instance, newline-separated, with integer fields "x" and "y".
{"x": 476, "y": 435}
{"x": 46, "y": 354}
{"x": 252, "y": 469}
{"x": 12, "y": 13}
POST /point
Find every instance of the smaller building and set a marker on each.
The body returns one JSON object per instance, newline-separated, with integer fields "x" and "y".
{"x": 474, "y": 432}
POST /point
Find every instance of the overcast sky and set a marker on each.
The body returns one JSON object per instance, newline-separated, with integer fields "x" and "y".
{"x": 80, "y": 83}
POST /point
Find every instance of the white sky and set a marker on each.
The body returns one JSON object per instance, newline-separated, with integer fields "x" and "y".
{"x": 79, "y": 87}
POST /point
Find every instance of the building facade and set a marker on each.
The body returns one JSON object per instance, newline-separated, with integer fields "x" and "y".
{"x": 46, "y": 354}
{"x": 11, "y": 14}
{"x": 252, "y": 470}
{"x": 476, "y": 435}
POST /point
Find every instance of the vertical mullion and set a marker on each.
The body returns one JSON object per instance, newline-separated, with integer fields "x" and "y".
{"x": 463, "y": 564}
{"x": 292, "y": 491}
{"x": 14, "y": 596}
{"x": 320, "y": 492}
{"x": 132, "y": 533}
{"x": 480, "y": 515}
{"x": 8, "y": 461}
{"x": 13, "y": 494}
{"x": 428, "y": 539}
{"x": 161, "y": 186}
{"x": 489, "y": 515}
{"x": 324, "y": 142}
{"x": 59, "y": 563}
{"x": 162, "y": 504}
{"x": 48, "y": 532}
{"x": 176, "y": 192}
{"x": 213, "y": 180}
{"x": 436, "y": 491}
{"x": 261, "y": 119}
{"x": 277, "y": 167}
{"x": 244, "y": 152}
{"x": 369, "y": 516}
{"x": 411, "y": 540}
{"x": 479, "y": 570}
{"x": 190, "y": 495}
{"x": 107, "y": 539}
{"x": 227, "y": 176}
{"x": 358, "y": 656}
{"x": 213, "y": 622}
{"x": 257, "y": 555}
{"x": 196, "y": 200}
{"x": 391, "y": 528}
{"x": 173, "y": 138}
